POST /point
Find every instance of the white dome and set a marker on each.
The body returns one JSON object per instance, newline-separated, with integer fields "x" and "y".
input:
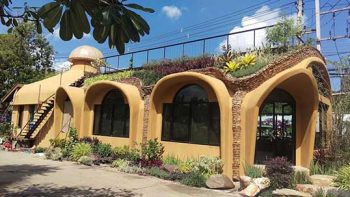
{"x": 85, "y": 52}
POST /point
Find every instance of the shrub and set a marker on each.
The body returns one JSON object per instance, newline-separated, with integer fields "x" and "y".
{"x": 301, "y": 178}
{"x": 92, "y": 141}
{"x": 103, "y": 150}
{"x": 343, "y": 178}
{"x": 185, "y": 167}
{"x": 151, "y": 153}
{"x": 79, "y": 150}
{"x": 85, "y": 160}
{"x": 126, "y": 153}
{"x": 280, "y": 172}
{"x": 148, "y": 77}
{"x": 39, "y": 150}
{"x": 206, "y": 165}
{"x": 328, "y": 168}
{"x": 194, "y": 180}
{"x": 60, "y": 143}
{"x": 157, "y": 172}
{"x": 5, "y": 129}
{"x": 172, "y": 160}
{"x": 54, "y": 154}
{"x": 253, "y": 171}
{"x": 120, "y": 163}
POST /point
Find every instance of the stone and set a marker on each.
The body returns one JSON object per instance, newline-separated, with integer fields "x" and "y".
{"x": 250, "y": 191}
{"x": 289, "y": 193}
{"x": 219, "y": 181}
{"x": 262, "y": 182}
{"x": 169, "y": 168}
{"x": 301, "y": 169}
{"x": 245, "y": 181}
{"x": 322, "y": 180}
{"x": 308, "y": 188}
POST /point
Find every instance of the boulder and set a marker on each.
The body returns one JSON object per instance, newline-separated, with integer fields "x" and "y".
{"x": 245, "y": 181}
{"x": 169, "y": 168}
{"x": 322, "y": 180}
{"x": 219, "y": 181}
{"x": 308, "y": 188}
{"x": 301, "y": 169}
{"x": 250, "y": 191}
{"x": 262, "y": 182}
{"x": 289, "y": 193}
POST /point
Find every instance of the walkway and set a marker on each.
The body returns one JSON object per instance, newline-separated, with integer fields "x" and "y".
{"x": 23, "y": 174}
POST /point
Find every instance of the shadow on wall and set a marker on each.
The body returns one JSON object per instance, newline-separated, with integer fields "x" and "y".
{"x": 53, "y": 190}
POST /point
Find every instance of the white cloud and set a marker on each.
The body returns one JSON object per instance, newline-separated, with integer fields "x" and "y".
{"x": 172, "y": 12}
{"x": 262, "y": 17}
{"x": 61, "y": 64}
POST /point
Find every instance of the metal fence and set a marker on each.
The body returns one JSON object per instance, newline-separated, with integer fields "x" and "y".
{"x": 251, "y": 38}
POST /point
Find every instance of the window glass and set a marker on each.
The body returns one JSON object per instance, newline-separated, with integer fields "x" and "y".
{"x": 112, "y": 116}
{"x": 191, "y": 118}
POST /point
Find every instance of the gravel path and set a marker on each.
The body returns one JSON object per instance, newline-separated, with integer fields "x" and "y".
{"x": 24, "y": 174}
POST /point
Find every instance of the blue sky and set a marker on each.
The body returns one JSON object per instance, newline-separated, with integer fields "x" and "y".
{"x": 174, "y": 19}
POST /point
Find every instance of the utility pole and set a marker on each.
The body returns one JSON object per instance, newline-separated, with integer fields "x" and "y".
{"x": 318, "y": 24}
{"x": 300, "y": 7}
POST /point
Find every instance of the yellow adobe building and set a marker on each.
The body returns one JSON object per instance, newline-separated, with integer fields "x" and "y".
{"x": 273, "y": 112}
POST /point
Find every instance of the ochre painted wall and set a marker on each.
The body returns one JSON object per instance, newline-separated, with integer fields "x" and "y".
{"x": 95, "y": 94}
{"x": 164, "y": 92}
{"x": 301, "y": 84}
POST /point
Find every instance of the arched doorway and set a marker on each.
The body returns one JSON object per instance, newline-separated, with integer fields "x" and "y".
{"x": 276, "y": 130}
{"x": 111, "y": 117}
{"x": 68, "y": 118}
{"x": 191, "y": 118}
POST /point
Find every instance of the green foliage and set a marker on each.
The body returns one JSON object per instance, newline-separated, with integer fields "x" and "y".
{"x": 301, "y": 178}
{"x": 60, "y": 143}
{"x": 40, "y": 149}
{"x": 327, "y": 168}
{"x": 54, "y": 154}
{"x": 343, "y": 178}
{"x": 281, "y": 34}
{"x": 232, "y": 66}
{"x": 253, "y": 171}
{"x": 194, "y": 180}
{"x": 227, "y": 56}
{"x": 148, "y": 77}
{"x": 110, "y": 19}
{"x": 151, "y": 153}
{"x": 85, "y": 160}
{"x": 5, "y": 129}
{"x": 110, "y": 77}
{"x": 171, "y": 160}
{"x": 24, "y": 56}
{"x": 126, "y": 153}
{"x": 103, "y": 150}
{"x": 157, "y": 172}
{"x": 120, "y": 163}
{"x": 79, "y": 150}
{"x": 205, "y": 165}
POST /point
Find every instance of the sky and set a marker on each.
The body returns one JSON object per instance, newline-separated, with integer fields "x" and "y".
{"x": 177, "y": 21}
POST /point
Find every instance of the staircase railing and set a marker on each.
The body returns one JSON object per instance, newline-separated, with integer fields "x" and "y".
{"x": 36, "y": 111}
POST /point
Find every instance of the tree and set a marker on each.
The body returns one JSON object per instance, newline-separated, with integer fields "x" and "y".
{"x": 25, "y": 56}
{"x": 109, "y": 18}
{"x": 281, "y": 34}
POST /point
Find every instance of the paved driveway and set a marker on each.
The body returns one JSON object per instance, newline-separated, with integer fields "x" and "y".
{"x": 23, "y": 174}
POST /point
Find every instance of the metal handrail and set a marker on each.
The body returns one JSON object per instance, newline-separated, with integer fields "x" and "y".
{"x": 36, "y": 111}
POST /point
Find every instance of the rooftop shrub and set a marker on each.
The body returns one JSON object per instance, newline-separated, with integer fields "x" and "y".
{"x": 279, "y": 170}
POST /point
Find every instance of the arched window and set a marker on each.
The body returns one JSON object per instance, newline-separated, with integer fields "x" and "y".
{"x": 112, "y": 116}
{"x": 191, "y": 118}
{"x": 276, "y": 127}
